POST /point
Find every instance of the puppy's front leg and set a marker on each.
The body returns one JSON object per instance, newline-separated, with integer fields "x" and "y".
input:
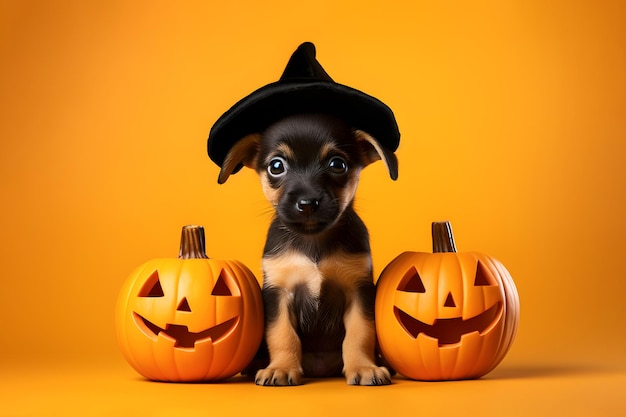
{"x": 359, "y": 366}
{"x": 289, "y": 279}
{"x": 283, "y": 345}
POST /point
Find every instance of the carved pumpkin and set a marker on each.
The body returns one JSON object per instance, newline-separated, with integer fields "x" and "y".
{"x": 445, "y": 315}
{"x": 191, "y": 318}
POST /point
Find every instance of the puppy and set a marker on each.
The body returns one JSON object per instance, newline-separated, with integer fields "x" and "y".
{"x": 318, "y": 288}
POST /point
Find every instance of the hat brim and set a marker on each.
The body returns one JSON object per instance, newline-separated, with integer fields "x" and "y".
{"x": 268, "y": 104}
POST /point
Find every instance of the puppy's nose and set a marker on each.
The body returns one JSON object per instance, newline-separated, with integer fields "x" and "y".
{"x": 306, "y": 206}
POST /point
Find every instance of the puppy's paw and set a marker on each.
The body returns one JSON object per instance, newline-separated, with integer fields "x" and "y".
{"x": 278, "y": 377}
{"x": 368, "y": 375}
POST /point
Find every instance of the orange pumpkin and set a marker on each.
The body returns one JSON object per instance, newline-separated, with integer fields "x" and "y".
{"x": 445, "y": 315}
{"x": 191, "y": 318}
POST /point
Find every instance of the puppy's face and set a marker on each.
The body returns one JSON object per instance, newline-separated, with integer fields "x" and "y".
{"x": 309, "y": 167}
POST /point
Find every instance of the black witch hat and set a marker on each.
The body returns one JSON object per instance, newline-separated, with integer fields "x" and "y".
{"x": 304, "y": 87}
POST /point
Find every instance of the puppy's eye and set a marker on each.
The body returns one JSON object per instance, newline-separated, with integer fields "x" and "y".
{"x": 337, "y": 165}
{"x": 277, "y": 167}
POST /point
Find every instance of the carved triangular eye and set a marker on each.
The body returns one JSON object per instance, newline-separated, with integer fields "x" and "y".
{"x": 152, "y": 286}
{"x": 412, "y": 282}
{"x": 223, "y": 285}
{"x": 483, "y": 276}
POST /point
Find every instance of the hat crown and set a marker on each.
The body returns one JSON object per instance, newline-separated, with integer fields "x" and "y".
{"x": 304, "y": 66}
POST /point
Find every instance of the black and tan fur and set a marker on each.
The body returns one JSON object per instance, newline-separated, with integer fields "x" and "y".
{"x": 318, "y": 288}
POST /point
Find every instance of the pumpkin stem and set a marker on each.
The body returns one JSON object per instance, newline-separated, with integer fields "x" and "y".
{"x": 443, "y": 239}
{"x": 192, "y": 243}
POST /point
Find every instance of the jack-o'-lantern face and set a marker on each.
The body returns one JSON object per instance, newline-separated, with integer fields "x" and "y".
{"x": 189, "y": 319}
{"x": 169, "y": 318}
{"x": 445, "y": 315}
{"x": 463, "y": 303}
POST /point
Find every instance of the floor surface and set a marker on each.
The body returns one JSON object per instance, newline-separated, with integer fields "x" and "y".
{"x": 510, "y": 390}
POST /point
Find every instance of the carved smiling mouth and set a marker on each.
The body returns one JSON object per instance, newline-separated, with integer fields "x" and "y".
{"x": 449, "y": 331}
{"x": 181, "y": 334}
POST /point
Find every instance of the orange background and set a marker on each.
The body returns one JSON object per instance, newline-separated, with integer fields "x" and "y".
{"x": 513, "y": 128}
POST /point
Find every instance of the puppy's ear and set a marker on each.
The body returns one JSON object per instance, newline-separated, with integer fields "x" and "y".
{"x": 244, "y": 152}
{"x": 373, "y": 151}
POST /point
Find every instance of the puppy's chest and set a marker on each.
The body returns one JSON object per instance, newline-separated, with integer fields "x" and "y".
{"x": 292, "y": 269}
